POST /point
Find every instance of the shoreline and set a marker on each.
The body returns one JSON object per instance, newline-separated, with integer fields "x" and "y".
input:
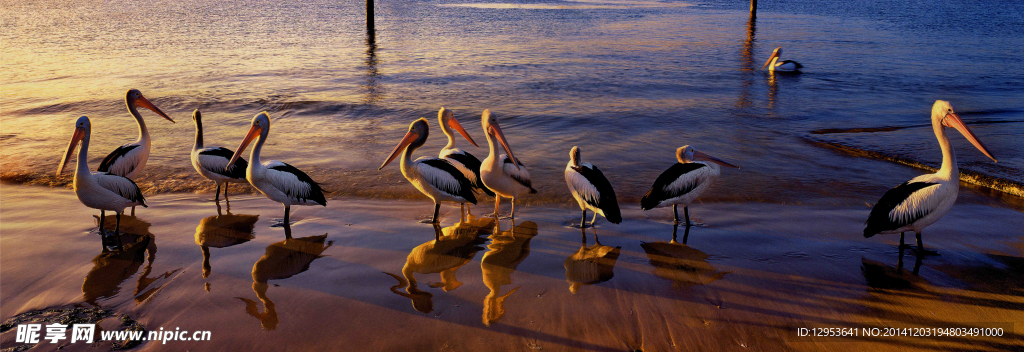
{"x": 747, "y": 278}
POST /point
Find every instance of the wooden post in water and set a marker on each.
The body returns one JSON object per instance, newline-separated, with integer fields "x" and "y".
{"x": 369, "y": 15}
{"x": 753, "y": 8}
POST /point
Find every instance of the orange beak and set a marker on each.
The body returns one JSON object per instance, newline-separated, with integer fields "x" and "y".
{"x": 701, "y": 156}
{"x": 75, "y": 138}
{"x": 496, "y": 131}
{"x": 775, "y": 54}
{"x": 953, "y": 120}
{"x": 406, "y": 141}
{"x": 458, "y": 127}
{"x": 143, "y": 102}
{"x": 254, "y": 132}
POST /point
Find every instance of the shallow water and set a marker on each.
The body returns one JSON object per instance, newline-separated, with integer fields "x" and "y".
{"x": 363, "y": 274}
{"x": 626, "y": 81}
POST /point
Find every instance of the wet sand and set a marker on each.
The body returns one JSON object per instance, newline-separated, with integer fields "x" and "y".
{"x": 363, "y": 274}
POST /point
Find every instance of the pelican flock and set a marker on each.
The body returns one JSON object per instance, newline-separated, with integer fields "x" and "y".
{"x": 278, "y": 181}
{"x": 591, "y": 189}
{"x": 437, "y": 178}
{"x": 99, "y": 190}
{"x": 920, "y": 202}
{"x": 503, "y": 174}
{"x": 683, "y": 182}
{"x": 212, "y": 162}
{"x": 786, "y": 66}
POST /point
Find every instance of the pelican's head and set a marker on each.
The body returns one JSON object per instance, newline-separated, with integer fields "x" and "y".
{"x": 82, "y": 129}
{"x": 417, "y": 135}
{"x": 134, "y": 98}
{"x": 686, "y": 154}
{"x": 197, "y": 117}
{"x": 574, "y": 156}
{"x": 490, "y": 125}
{"x": 944, "y": 116}
{"x": 447, "y": 118}
{"x": 776, "y": 53}
{"x": 260, "y": 127}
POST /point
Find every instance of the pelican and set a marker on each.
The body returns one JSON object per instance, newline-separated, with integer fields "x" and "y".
{"x": 436, "y": 178}
{"x": 683, "y": 182}
{"x": 920, "y": 202}
{"x": 503, "y": 174}
{"x": 591, "y": 189}
{"x": 99, "y": 190}
{"x": 774, "y": 65}
{"x": 129, "y": 159}
{"x": 467, "y": 163}
{"x": 278, "y": 181}
{"x": 212, "y": 162}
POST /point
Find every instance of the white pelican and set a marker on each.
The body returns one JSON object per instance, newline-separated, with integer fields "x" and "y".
{"x": 436, "y": 178}
{"x": 212, "y": 162}
{"x": 129, "y": 159}
{"x": 591, "y": 189}
{"x": 774, "y": 65}
{"x": 503, "y": 174}
{"x": 920, "y": 202}
{"x": 99, "y": 190}
{"x": 467, "y": 163}
{"x": 683, "y": 182}
{"x": 278, "y": 181}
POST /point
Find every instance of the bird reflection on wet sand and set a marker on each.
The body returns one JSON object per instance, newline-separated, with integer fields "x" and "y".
{"x": 452, "y": 247}
{"x": 221, "y": 231}
{"x": 590, "y": 265}
{"x": 504, "y": 254}
{"x": 111, "y": 268}
{"x": 282, "y": 260}
{"x": 684, "y": 265}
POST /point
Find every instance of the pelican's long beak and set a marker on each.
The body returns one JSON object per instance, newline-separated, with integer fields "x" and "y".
{"x": 953, "y": 120}
{"x": 406, "y": 141}
{"x": 143, "y": 102}
{"x": 496, "y": 131}
{"x": 702, "y": 156}
{"x": 458, "y": 127}
{"x": 254, "y": 132}
{"x": 75, "y": 138}
{"x": 775, "y": 54}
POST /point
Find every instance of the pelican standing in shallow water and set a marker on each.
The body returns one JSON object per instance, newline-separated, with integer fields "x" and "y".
{"x": 129, "y": 159}
{"x": 683, "y": 182}
{"x": 212, "y": 162}
{"x": 278, "y": 181}
{"x": 467, "y": 163}
{"x": 99, "y": 190}
{"x": 591, "y": 189}
{"x": 920, "y": 202}
{"x": 786, "y": 66}
{"x": 503, "y": 174}
{"x": 435, "y": 177}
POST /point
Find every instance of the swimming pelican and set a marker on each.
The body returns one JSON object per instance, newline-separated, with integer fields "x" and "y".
{"x": 99, "y": 190}
{"x": 591, "y": 189}
{"x": 278, "y": 181}
{"x": 467, "y": 163}
{"x": 212, "y": 162}
{"x": 503, "y": 174}
{"x": 683, "y": 182}
{"x": 785, "y": 66}
{"x": 436, "y": 178}
{"x": 920, "y": 202}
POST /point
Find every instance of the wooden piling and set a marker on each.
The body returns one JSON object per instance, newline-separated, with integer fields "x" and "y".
{"x": 369, "y": 15}
{"x": 753, "y": 8}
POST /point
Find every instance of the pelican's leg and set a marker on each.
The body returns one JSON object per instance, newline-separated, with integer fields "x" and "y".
{"x": 117, "y": 233}
{"x": 583, "y": 221}
{"x": 902, "y": 244}
{"x": 497, "y": 201}
{"x": 920, "y": 247}
{"x": 513, "y": 214}
{"x": 287, "y": 209}
{"x": 686, "y": 212}
{"x": 674, "y": 230}
{"x": 103, "y": 214}
{"x": 437, "y": 209}
{"x": 133, "y": 210}
{"x": 675, "y": 210}
{"x": 216, "y": 195}
{"x": 226, "y": 189}
{"x": 593, "y": 220}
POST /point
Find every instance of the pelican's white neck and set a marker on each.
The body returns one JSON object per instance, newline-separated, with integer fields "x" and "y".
{"x": 451, "y": 136}
{"x": 143, "y": 131}
{"x": 949, "y": 168}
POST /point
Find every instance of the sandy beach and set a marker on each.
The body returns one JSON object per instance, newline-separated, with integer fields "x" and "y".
{"x": 364, "y": 274}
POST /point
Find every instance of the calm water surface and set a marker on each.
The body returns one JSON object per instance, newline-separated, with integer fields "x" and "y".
{"x": 627, "y": 81}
